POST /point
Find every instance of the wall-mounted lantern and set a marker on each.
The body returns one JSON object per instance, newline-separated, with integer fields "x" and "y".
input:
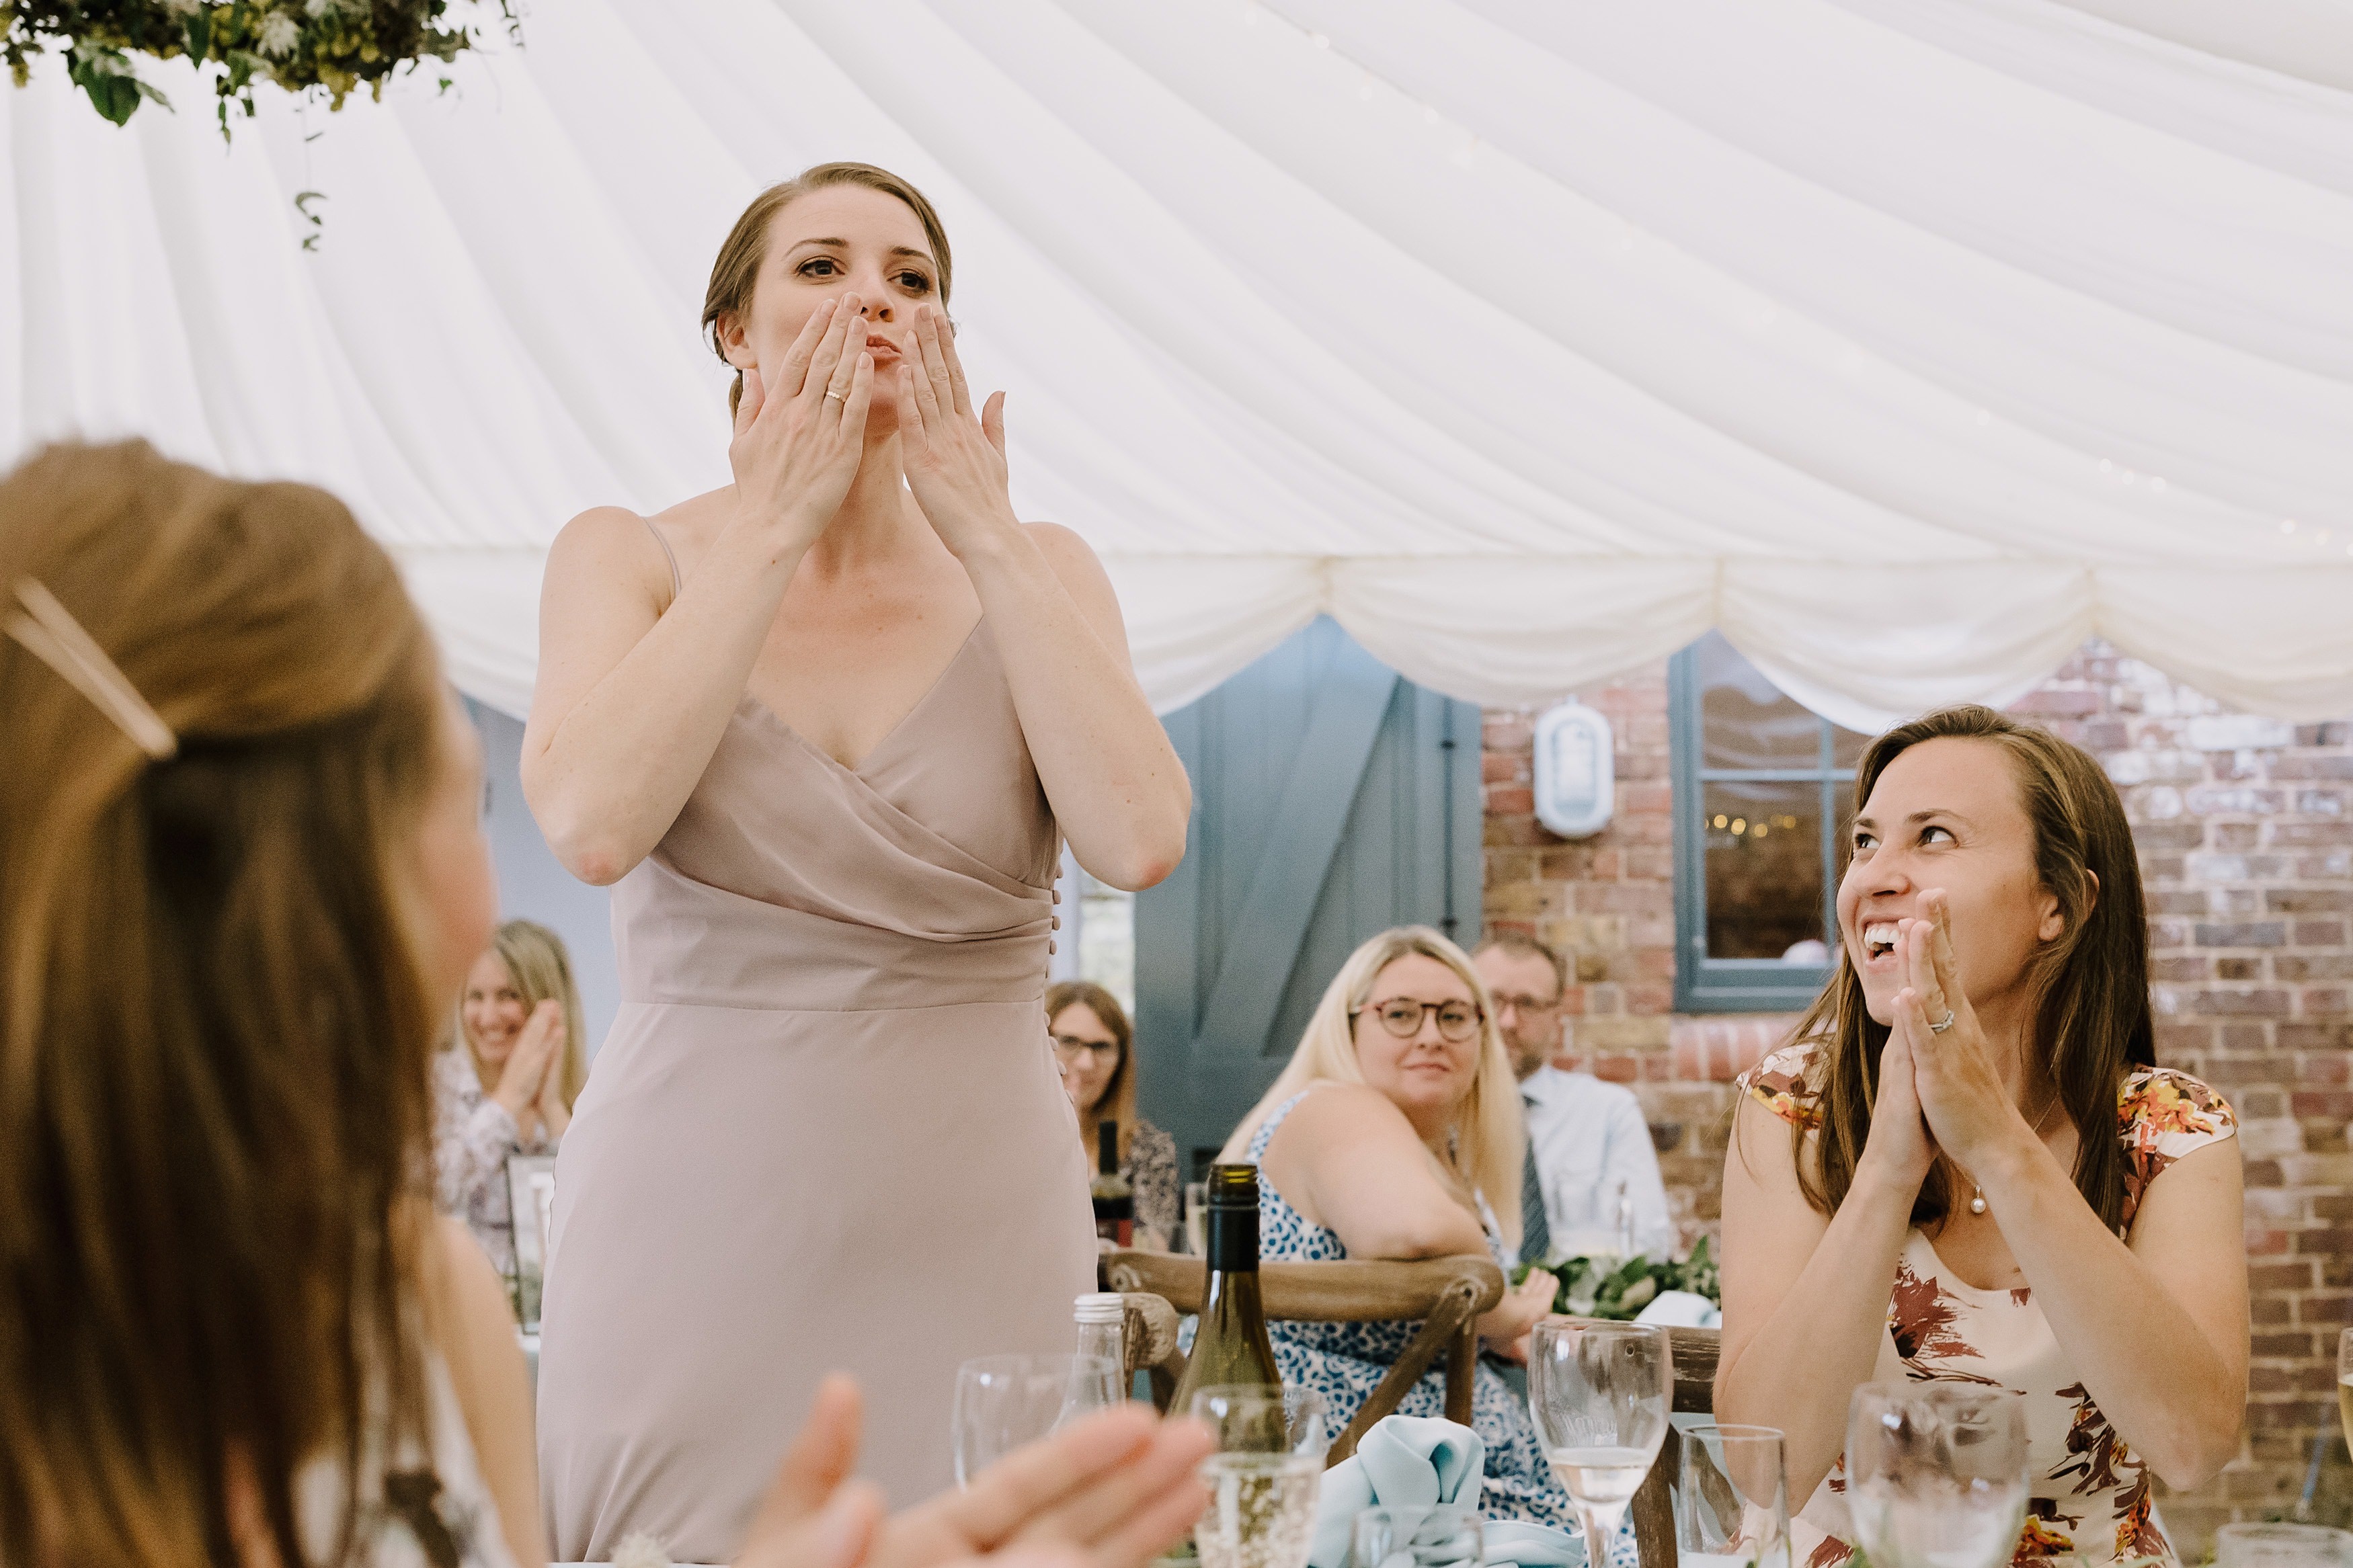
{"x": 1577, "y": 770}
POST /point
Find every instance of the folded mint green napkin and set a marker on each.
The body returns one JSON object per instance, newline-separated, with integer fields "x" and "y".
{"x": 1420, "y": 1461}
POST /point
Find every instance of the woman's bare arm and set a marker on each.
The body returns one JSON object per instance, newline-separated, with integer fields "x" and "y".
{"x": 1117, "y": 789}
{"x": 1805, "y": 1295}
{"x": 1347, "y": 1159}
{"x": 631, "y": 699}
{"x": 468, "y": 1319}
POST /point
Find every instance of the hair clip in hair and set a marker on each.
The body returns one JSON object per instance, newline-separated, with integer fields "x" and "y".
{"x": 51, "y": 634}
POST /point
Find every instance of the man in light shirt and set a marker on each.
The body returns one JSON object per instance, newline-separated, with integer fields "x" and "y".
{"x": 1588, "y": 1143}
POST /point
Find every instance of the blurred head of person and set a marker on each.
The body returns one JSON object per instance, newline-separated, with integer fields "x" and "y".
{"x": 1526, "y": 981}
{"x": 227, "y": 958}
{"x": 1096, "y": 1048}
{"x": 525, "y": 965}
{"x": 1408, "y": 1015}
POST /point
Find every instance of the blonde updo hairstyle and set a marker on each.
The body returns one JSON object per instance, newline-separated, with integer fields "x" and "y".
{"x": 736, "y": 273}
{"x": 1490, "y": 1138}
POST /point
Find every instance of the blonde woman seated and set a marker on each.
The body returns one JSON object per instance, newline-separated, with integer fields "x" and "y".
{"x": 507, "y": 1087}
{"x": 1094, "y": 1045}
{"x": 1394, "y": 1132}
{"x": 1969, "y": 1167}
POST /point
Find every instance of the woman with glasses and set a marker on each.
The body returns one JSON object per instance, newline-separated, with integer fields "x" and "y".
{"x": 1095, "y": 1045}
{"x": 1394, "y": 1132}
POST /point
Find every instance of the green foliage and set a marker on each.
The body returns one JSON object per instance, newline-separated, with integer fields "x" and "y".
{"x": 329, "y": 47}
{"x": 1591, "y": 1288}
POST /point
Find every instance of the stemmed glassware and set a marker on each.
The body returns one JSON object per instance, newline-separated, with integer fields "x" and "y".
{"x": 1265, "y": 1476}
{"x": 2281, "y": 1546}
{"x": 1732, "y": 1499}
{"x": 1003, "y": 1401}
{"x": 1599, "y": 1392}
{"x": 1936, "y": 1474}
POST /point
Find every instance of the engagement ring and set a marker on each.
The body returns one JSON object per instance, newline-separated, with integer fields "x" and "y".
{"x": 1938, "y": 1029}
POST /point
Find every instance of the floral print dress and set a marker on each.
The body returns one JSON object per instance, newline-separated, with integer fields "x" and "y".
{"x": 1345, "y": 1361}
{"x": 2090, "y": 1496}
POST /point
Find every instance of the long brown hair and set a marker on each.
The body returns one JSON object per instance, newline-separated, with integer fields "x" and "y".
{"x": 2092, "y": 1024}
{"x": 736, "y": 272}
{"x": 1118, "y": 1101}
{"x": 214, "y": 1022}
{"x": 541, "y": 970}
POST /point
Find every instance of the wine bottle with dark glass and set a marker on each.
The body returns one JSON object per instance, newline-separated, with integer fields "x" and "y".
{"x": 1231, "y": 1346}
{"x": 1114, "y": 1198}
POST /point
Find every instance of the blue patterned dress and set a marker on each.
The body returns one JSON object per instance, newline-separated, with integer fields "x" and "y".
{"x": 1345, "y": 1361}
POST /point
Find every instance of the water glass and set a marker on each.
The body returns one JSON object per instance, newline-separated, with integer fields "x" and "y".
{"x": 1252, "y": 1417}
{"x": 2281, "y": 1546}
{"x": 1439, "y": 1536}
{"x": 1732, "y": 1499}
{"x": 2345, "y": 1383}
{"x": 1600, "y": 1394}
{"x": 1005, "y": 1402}
{"x": 1936, "y": 1474}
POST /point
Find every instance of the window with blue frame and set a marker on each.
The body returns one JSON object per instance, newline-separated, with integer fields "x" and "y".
{"x": 1764, "y": 790}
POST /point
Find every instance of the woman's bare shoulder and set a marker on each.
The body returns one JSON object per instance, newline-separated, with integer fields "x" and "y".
{"x": 607, "y": 541}
{"x": 1332, "y": 1112}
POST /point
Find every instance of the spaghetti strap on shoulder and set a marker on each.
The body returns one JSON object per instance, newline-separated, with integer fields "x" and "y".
{"x": 676, "y": 582}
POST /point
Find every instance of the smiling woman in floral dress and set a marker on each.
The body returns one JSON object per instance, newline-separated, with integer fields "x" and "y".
{"x": 1969, "y": 1167}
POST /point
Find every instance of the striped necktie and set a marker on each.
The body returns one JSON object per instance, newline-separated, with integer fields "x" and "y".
{"x": 1536, "y": 1231}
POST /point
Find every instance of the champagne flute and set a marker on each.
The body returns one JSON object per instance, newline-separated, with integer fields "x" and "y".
{"x": 1937, "y": 1473}
{"x": 1732, "y": 1499}
{"x": 1600, "y": 1394}
{"x": 2345, "y": 1383}
{"x": 1266, "y": 1476}
{"x": 1004, "y": 1401}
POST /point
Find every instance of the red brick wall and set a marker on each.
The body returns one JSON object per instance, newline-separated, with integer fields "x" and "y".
{"x": 2245, "y": 828}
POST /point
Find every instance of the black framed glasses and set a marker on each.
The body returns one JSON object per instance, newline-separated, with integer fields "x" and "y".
{"x": 1070, "y": 1045}
{"x": 1402, "y": 1016}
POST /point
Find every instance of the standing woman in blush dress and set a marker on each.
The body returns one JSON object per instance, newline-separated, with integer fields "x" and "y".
{"x": 822, "y": 729}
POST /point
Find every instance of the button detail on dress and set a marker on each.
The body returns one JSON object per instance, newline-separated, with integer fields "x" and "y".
{"x": 1055, "y": 923}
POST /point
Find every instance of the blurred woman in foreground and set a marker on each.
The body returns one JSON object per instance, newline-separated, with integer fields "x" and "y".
{"x": 236, "y": 895}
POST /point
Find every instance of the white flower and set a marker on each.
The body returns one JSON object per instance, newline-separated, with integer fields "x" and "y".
{"x": 184, "y": 7}
{"x": 317, "y": 8}
{"x": 279, "y": 34}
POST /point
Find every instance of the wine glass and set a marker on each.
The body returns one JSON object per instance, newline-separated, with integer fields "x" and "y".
{"x": 2345, "y": 1383}
{"x": 2281, "y": 1546}
{"x": 1937, "y": 1473}
{"x": 1003, "y": 1401}
{"x": 1599, "y": 1394}
{"x": 1265, "y": 1477}
{"x": 1437, "y": 1536}
{"x": 1732, "y": 1499}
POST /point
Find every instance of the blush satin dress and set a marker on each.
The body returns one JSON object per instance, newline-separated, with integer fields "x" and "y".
{"x": 826, "y": 1131}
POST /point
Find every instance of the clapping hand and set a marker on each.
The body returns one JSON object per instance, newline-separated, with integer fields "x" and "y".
{"x": 524, "y": 1077}
{"x": 1960, "y": 1091}
{"x": 1113, "y": 1490}
{"x": 954, "y": 462}
{"x": 799, "y": 436}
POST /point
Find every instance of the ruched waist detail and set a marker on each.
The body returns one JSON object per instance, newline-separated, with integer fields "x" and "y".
{"x": 679, "y": 941}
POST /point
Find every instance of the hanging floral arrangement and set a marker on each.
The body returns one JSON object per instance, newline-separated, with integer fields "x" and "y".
{"x": 331, "y": 47}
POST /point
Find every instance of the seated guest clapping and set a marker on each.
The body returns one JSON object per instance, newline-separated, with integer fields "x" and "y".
{"x": 1968, "y": 1165}
{"x": 1591, "y": 1171}
{"x": 507, "y": 1086}
{"x": 1096, "y": 1048}
{"x": 241, "y": 878}
{"x": 1394, "y": 1132}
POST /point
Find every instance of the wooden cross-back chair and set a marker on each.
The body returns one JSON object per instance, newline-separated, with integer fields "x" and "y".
{"x": 1446, "y": 1294}
{"x": 1694, "y": 1352}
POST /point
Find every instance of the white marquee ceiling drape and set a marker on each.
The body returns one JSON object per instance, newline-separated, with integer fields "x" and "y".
{"x": 1911, "y": 341}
